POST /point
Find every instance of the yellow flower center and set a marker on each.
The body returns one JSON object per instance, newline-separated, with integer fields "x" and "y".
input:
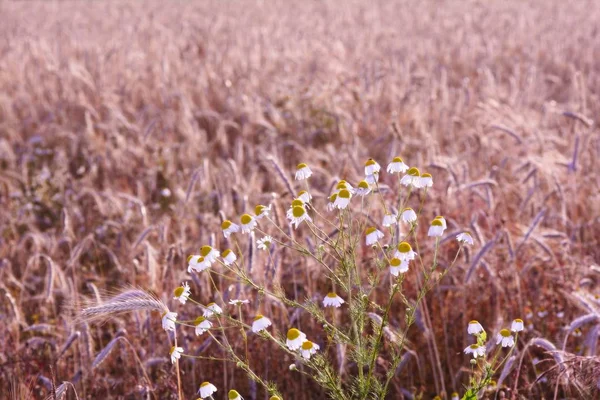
{"x": 404, "y": 247}
{"x": 371, "y": 230}
{"x": 205, "y": 250}
{"x": 259, "y": 209}
{"x": 226, "y": 253}
{"x": 189, "y": 258}
{"x": 179, "y": 291}
{"x": 505, "y": 333}
{"x": 394, "y": 262}
{"x": 519, "y": 321}
{"x": 413, "y": 171}
{"x": 172, "y": 350}
{"x": 293, "y": 334}
{"x": 199, "y": 320}
{"x": 307, "y": 345}
{"x": 341, "y": 185}
{"x": 344, "y": 194}
{"x": 473, "y": 322}
{"x": 300, "y": 193}
{"x": 397, "y": 160}
{"x": 332, "y": 295}
{"x": 233, "y": 394}
{"x": 333, "y": 197}
{"x": 297, "y": 203}
{"x": 363, "y": 185}
{"x": 426, "y": 175}
{"x": 474, "y": 346}
{"x": 298, "y": 211}
{"x": 274, "y": 398}
{"x": 204, "y": 384}
{"x": 226, "y": 224}
{"x": 370, "y": 161}
{"x": 258, "y": 316}
{"x": 301, "y": 165}
{"x": 437, "y": 222}
{"x": 246, "y": 219}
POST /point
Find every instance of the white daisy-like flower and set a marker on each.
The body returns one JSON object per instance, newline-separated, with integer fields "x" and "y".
{"x": 228, "y": 257}
{"x": 441, "y": 218}
{"x": 372, "y": 179}
{"x": 295, "y": 203}
{"x": 260, "y": 323}
{"x": 304, "y": 196}
{"x": 517, "y": 325}
{"x": 332, "y": 300}
{"x": 248, "y": 223}
{"x": 344, "y": 185}
{"x": 436, "y": 229}
{"x": 372, "y": 235}
{"x": 362, "y": 189}
{"x": 474, "y": 328}
{"x": 425, "y": 180}
{"x": 210, "y": 255}
{"x": 168, "y": 321}
{"x": 397, "y": 165}
{"x": 261, "y": 211}
{"x": 202, "y": 325}
{"x": 302, "y": 172}
{"x": 175, "y": 353}
{"x": 331, "y": 204}
{"x": 398, "y": 267}
{"x": 343, "y": 199}
{"x": 206, "y": 390}
{"x": 454, "y": 396}
{"x": 404, "y": 252}
{"x": 408, "y": 215}
{"x": 264, "y": 243}
{"x": 465, "y": 238}
{"x": 237, "y": 302}
{"x": 505, "y": 338}
{"x": 182, "y": 293}
{"x": 412, "y": 177}
{"x": 298, "y": 215}
{"x": 294, "y": 339}
{"x": 234, "y": 395}
{"x": 476, "y": 350}
{"x": 371, "y": 167}
{"x": 308, "y": 348}
{"x": 389, "y": 220}
{"x": 197, "y": 263}
{"x": 229, "y": 227}
{"x": 212, "y": 309}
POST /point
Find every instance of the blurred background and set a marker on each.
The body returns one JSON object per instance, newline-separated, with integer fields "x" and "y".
{"x": 129, "y": 130}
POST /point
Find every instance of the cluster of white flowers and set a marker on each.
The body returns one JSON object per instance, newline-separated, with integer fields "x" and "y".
{"x": 504, "y": 337}
{"x": 296, "y": 340}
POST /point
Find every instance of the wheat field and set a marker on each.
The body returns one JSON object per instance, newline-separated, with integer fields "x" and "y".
{"x": 129, "y": 131}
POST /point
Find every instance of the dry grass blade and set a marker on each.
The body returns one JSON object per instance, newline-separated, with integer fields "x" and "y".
{"x": 128, "y": 301}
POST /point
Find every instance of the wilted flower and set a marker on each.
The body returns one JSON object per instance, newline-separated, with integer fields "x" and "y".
{"x": 294, "y": 339}
{"x": 332, "y": 300}
{"x": 212, "y": 309}
{"x": 168, "y": 321}
{"x": 517, "y": 325}
{"x": 373, "y": 235}
{"x": 465, "y": 238}
{"x": 408, "y": 215}
{"x": 175, "y": 353}
{"x": 260, "y": 323}
{"x": 331, "y": 204}
{"x": 474, "y": 328}
{"x": 302, "y": 172}
{"x": 237, "y": 302}
{"x": 206, "y": 389}
{"x": 304, "y": 196}
{"x": 389, "y": 220}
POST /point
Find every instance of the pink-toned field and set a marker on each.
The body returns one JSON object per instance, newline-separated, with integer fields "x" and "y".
{"x": 128, "y": 131}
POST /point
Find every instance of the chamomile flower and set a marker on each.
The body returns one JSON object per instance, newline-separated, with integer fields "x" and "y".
{"x": 298, "y": 215}
{"x": 517, "y": 325}
{"x": 264, "y": 243}
{"x": 476, "y": 350}
{"x": 308, "y": 348}
{"x": 412, "y": 177}
{"x": 404, "y": 252}
{"x": 343, "y": 199}
{"x": 168, "y": 321}
{"x": 372, "y": 179}
{"x": 397, "y": 266}
{"x": 182, "y": 293}
{"x": 332, "y": 300}
{"x": 212, "y": 309}
{"x": 408, "y": 215}
{"x": 229, "y": 227}
{"x": 248, "y": 223}
{"x": 302, "y": 172}
{"x": 465, "y": 238}
{"x": 295, "y": 203}
{"x": 274, "y": 398}
{"x": 304, "y": 196}
{"x": 397, "y": 165}
{"x": 237, "y": 302}
{"x": 202, "y": 325}
{"x": 210, "y": 255}
{"x": 371, "y": 167}
{"x": 175, "y": 353}
{"x": 373, "y": 235}
{"x": 197, "y": 263}
{"x": 294, "y": 339}
{"x": 436, "y": 229}
{"x": 234, "y": 395}
{"x": 441, "y": 218}
{"x": 260, "y": 323}
{"x": 228, "y": 257}
{"x": 206, "y": 390}
{"x": 505, "y": 338}
{"x": 362, "y": 189}
{"x": 474, "y": 328}
{"x": 331, "y": 204}
{"x": 261, "y": 211}
{"x": 344, "y": 185}
{"x": 454, "y": 396}
{"x": 425, "y": 180}
{"x": 389, "y": 220}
